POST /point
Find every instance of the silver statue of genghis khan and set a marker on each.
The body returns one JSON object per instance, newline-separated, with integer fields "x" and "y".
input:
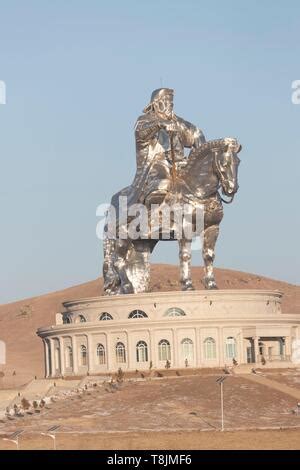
{"x": 164, "y": 176}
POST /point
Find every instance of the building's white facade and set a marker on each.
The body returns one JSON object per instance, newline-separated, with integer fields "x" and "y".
{"x": 188, "y": 329}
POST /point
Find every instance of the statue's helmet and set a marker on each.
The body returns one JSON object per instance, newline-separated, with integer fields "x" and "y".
{"x": 157, "y": 95}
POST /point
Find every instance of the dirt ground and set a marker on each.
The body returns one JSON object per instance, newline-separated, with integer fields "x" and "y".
{"x": 213, "y": 440}
{"x": 167, "y": 413}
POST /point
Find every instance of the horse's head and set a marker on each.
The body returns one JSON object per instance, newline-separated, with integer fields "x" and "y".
{"x": 226, "y": 164}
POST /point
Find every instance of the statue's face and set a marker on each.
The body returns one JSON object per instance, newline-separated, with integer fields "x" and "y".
{"x": 164, "y": 106}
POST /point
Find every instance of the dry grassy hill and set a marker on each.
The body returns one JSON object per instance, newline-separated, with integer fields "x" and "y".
{"x": 20, "y": 320}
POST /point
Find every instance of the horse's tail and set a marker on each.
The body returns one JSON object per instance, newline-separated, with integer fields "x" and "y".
{"x": 110, "y": 277}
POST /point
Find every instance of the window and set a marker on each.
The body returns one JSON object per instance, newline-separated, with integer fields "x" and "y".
{"x": 100, "y": 354}
{"x": 174, "y": 312}
{"x": 66, "y": 320}
{"x": 187, "y": 349}
{"x": 120, "y": 353}
{"x": 105, "y": 316}
{"x": 164, "y": 350}
{"x": 69, "y": 357}
{"x": 210, "y": 348}
{"x": 83, "y": 355}
{"x": 80, "y": 319}
{"x": 137, "y": 314}
{"x": 230, "y": 348}
{"x": 142, "y": 352}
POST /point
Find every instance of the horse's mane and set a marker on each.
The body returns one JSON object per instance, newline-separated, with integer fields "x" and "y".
{"x": 204, "y": 149}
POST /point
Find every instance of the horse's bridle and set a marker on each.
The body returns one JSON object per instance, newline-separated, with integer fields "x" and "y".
{"x": 222, "y": 179}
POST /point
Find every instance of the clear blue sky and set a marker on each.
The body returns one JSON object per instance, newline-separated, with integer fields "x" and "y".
{"x": 79, "y": 73}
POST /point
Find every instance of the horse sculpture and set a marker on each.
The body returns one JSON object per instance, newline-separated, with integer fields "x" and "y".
{"x": 212, "y": 166}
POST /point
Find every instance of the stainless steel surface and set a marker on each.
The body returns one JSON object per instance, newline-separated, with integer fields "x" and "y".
{"x": 165, "y": 176}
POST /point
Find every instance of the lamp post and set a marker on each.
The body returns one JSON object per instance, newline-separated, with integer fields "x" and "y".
{"x": 49, "y": 434}
{"x": 220, "y": 381}
{"x": 14, "y": 438}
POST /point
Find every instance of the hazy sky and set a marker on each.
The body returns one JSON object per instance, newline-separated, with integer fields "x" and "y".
{"x": 79, "y": 73}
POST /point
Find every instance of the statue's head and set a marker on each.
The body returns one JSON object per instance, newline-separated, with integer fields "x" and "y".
{"x": 161, "y": 102}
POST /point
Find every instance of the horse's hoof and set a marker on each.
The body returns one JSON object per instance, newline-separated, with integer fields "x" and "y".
{"x": 127, "y": 289}
{"x": 188, "y": 286}
{"x": 210, "y": 284}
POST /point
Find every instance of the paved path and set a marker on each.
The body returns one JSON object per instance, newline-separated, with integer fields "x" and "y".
{"x": 273, "y": 384}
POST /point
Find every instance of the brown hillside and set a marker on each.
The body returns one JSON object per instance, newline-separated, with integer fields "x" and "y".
{"x": 20, "y": 320}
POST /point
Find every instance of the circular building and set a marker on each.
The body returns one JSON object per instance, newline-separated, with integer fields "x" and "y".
{"x": 178, "y": 329}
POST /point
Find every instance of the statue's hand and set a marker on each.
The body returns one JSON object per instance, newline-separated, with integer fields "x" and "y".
{"x": 169, "y": 126}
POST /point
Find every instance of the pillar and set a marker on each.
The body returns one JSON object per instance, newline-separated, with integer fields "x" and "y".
{"x": 62, "y": 356}
{"x": 129, "y": 351}
{"x": 52, "y": 356}
{"x": 46, "y": 356}
{"x": 175, "y": 361}
{"x": 152, "y": 348}
{"x": 197, "y": 360}
{"x": 75, "y": 355}
{"x": 256, "y": 348}
{"x": 241, "y": 359}
{"x": 288, "y": 349}
{"x": 110, "y": 352}
{"x": 90, "y": 353}
{"x": 221, "y": 348}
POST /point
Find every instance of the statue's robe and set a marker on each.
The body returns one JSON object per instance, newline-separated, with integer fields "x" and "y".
{"x": 153, "y": 156}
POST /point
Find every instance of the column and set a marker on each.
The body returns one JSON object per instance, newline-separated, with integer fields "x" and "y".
{"x": 52, "y": 356}
{"x": 129, "y": 351}
{"x": 198, "y": 347}
{"x": 241, "y": 359}
{"x": 110, "y": 352}
{"x": 90, "y": 351}
{"x": 62, "y": 355}
{"x": 287, "y": 349}
{"x": 75, "y": 355}
{"x": 256, "y": 348}
{"x": 153, "y": 349}
{"x": 46, "y": 356}
{"x": 175, "y": 362}
{"x": 221, "y": 348}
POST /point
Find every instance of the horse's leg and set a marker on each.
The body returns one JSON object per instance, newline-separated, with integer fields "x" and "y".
{"x": 111, "y": 279}
{"x": 139, "y": 266}
{"x": 185, "y": 264}
{"x": 208, "y": 251}
{"x": 123, "y": 250}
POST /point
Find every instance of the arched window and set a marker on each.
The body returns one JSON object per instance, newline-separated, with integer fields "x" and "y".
{"x": 120, "y": 353}
{"x": 83, "y": 355}
{"x": 230, "y": 348}
{"x": 141, "y": 352}
{"x": 80, "y": 319}
{"x": 210, "y": 348}
{"x": 164, "y": 350}
{"x": 137, "y": 314}
{"x": 100, "y": 354}
{"x": 66, "y": 320}
{"x": 105, "y": 316}
{"x": 187, "y": 349}
{"x": 69, "y": 357}
{"x": 174, "y": 312}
